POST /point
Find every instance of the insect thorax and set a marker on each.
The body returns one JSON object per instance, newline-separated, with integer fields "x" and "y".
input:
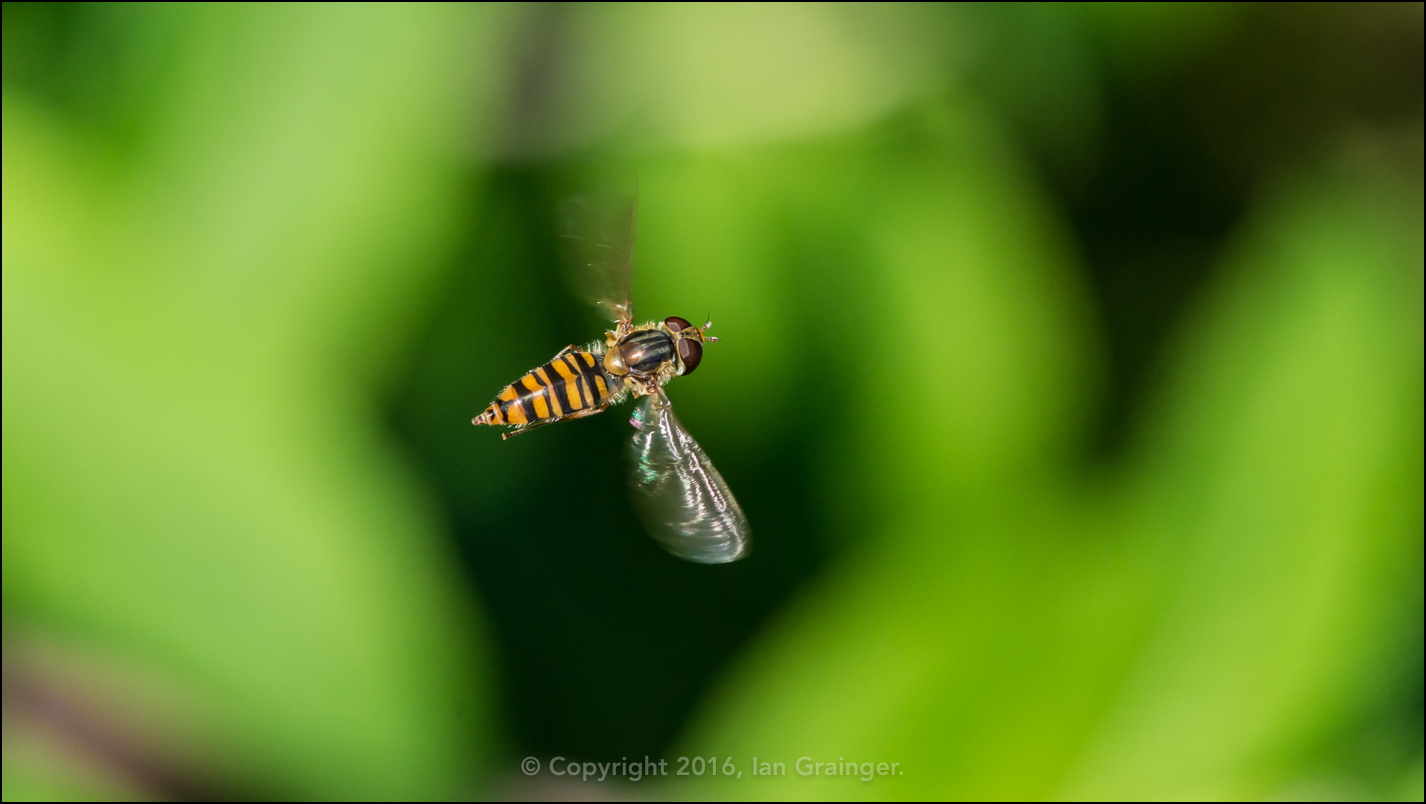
{"x": 647, "y": 351}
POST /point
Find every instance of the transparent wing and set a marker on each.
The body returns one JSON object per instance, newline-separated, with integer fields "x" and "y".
{"x": 683, "y": 500}
{"x": 598, "y": 233}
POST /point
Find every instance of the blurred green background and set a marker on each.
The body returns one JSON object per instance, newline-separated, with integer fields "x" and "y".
{"x": 1071, "y": 377}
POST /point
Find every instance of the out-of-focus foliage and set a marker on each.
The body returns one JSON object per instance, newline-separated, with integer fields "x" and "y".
{"x": 203, "y": 277}
{"x": 1187, "y": 628}
{"x": 1071, "y": 377}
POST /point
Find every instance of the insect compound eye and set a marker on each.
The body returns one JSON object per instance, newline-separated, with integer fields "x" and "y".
{"x": 690, "y": 352}
{"x": 676, "y": 324}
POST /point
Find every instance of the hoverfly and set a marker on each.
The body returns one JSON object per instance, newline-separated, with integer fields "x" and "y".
{"x": 684, "y": 502}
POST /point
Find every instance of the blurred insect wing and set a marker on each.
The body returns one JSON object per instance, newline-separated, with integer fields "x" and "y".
{"x": 684, "y": 502}
{"x": 598, "y": 234}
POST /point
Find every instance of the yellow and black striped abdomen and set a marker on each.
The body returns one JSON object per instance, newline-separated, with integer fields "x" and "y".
{"x": 569, "y": 385}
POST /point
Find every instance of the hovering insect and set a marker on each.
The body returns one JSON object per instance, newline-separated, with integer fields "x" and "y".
{"x": 684, "y": 502}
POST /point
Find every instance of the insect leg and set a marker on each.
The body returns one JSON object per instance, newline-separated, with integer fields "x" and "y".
{"x": 590, "y": 411}
{"x": 525, "y": 428}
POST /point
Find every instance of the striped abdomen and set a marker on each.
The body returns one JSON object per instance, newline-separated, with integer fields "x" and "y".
{"x": 567, "y": 385}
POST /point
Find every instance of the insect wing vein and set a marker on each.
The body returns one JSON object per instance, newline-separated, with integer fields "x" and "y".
{"x": 684, "y": 502}
{"x": 598, "y": 230}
